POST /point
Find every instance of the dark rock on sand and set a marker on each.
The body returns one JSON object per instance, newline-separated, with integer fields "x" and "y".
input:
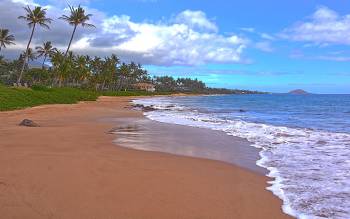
{"x": 28, "y": 123}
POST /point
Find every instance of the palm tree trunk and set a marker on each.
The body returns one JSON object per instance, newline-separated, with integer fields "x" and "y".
{"x": 25, "y": 56}
{"x": 103, "y": 85}
{"x": 60, "y": 81}
{"x": 120, "y": 83}
{"x": 71, "y": 39}
{"x": 44, "y": 62}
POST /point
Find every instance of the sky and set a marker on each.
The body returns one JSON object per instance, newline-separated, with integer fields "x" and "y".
{"x": 269, "y": 45}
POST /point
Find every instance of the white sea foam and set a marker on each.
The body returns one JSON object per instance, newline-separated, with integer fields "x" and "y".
{"x": 310, "y": 168}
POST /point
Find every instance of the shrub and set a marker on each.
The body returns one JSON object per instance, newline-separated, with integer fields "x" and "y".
{"x": 40, "y": 88}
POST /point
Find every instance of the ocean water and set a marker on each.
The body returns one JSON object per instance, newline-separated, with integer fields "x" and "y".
{"x": 304, "y": 142}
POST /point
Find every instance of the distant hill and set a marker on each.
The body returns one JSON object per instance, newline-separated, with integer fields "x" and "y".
{"x": 298, "y": 91}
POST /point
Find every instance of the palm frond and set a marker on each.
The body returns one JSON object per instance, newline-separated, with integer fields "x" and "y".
{"x": 77, "y": 17}
{"x": 88, "y": 25}
{"x": 5, "y": 38}
{"x": 36, "y": 16}
{"x": 44, "y": 25}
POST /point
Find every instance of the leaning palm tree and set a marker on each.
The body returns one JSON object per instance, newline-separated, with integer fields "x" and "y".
{"x": 5, "y": 38}
{"x": 46, "y": 50}
{"x": 77, "y": 17}
{"x": 33, "y": 18}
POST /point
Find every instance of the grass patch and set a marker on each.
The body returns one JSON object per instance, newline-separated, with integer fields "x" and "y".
{"x": 19, "y": 98}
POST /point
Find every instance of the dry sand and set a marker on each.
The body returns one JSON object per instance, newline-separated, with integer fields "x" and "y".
{"x": 69, "y": 168}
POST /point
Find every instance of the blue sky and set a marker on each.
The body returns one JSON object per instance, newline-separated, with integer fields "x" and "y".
{"x": 261, "y": 45}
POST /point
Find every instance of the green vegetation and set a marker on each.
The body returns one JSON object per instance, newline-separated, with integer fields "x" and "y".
{"x": 194, "y": 86}
{"x": 46, "y": 50}
{"x": 18, "y": 98}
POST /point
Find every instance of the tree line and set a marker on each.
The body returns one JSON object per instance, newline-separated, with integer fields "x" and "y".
{"x": 184, "y": 85}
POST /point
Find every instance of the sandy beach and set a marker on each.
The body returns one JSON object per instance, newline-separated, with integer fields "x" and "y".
{"x": 70, "y": 168}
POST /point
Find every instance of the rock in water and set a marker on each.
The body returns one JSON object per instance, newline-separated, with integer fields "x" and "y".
{"x": 298, "y": 91}
{"x": 148, "y": 108}
{"x": 28, "y": 123}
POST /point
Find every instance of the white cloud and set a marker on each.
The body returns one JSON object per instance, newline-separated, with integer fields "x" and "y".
{"x": 196, "y": 20}
{"x": 324, "y": 27}
{"x": 264, "y": 46}
{"x": 254, "y": 32}
{"x": 28, "y": 2}
{"x": 174, "y": 43}
{"x": 267, "y": 36}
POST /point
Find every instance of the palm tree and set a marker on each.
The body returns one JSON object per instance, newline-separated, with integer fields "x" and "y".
{"x": 5, "y": 38}
{"x": 124, "y": 72}
{"x": 61, "y": 66}
{"x": 29, "y": 55}
{"x": 33, "y": 17}
{"x": 45, "y": 50}
{"x": 77, "y": 17}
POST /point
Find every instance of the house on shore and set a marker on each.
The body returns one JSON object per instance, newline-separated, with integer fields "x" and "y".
{"x": 145, "y": 87}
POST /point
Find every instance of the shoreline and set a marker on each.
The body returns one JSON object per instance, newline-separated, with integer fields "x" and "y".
{"x": 70, "y": 168}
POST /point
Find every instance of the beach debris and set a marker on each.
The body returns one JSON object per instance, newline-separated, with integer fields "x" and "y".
{"x": 28, "y": 123}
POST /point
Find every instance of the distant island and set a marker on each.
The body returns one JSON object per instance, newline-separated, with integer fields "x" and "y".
{"x": 298, "y": 91}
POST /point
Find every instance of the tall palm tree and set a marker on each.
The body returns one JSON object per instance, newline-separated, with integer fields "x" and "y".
{"x": 45, "y": 50}
{"x": 5, "y": 38}
{"x": 33, "y": 18}
{"x": 77, "y": 17}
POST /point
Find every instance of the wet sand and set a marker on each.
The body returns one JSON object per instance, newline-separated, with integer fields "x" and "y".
{"x": 70, "y": 168}
{"x": 148, "y": 135}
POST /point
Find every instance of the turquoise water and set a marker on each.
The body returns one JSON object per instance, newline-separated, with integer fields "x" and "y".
{"x": 304, "y": 142}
